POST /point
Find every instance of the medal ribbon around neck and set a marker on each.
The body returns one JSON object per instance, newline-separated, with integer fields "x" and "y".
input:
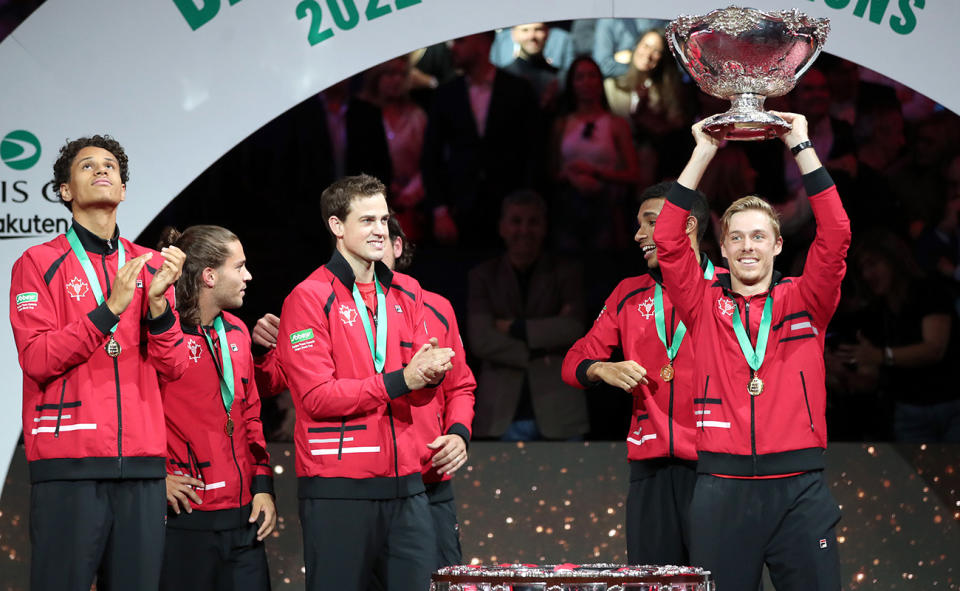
{"x": 754, "y": 356}
{"x": 226, "y": 365}
{"x": 81, "y": 255}
{"x": 379, "y": 353}
{"x": 658, "y": 317}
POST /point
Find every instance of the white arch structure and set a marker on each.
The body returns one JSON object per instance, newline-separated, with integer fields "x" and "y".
{"x": 180, "y": 82}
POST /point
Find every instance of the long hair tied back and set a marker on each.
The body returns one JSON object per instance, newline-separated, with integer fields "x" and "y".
{"x": 205, "y": 246}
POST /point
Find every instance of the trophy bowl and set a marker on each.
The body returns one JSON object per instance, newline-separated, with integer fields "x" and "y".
{"x": 745, "y": 55}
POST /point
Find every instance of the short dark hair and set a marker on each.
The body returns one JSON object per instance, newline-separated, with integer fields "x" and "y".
{"x": 699, "y": 209}
{"x": 61, "y": 168}
{"x": 205, "y": 246}
{"x": 336, "y": 199}
{"x": 523, "y": 197}
{"x": 405, "y": 259}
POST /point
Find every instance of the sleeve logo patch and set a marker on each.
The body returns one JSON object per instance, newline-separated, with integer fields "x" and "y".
{"x": 302, "y": 339}
{"x": 27, "y": 300}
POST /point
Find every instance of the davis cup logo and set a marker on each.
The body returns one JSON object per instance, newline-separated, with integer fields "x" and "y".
{"x": 20, "y": 149}
{"x": 646, "y": 308}
{"x": 77, "y": 288}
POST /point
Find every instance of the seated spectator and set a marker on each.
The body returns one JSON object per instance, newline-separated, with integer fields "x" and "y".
{"x": 388, "y": 86}
{"x": 524, "y": 311}
{"x": 614, "y": 40}
{"x": 906, "y": 345}
{"x": 480, "y": 144}
{"x": 652, "y": 97}
{"x": 531, "y": 62}
{"x": 594, "y": 162}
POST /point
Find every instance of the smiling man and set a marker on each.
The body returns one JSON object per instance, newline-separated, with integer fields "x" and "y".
{"x": 658, "y": 370}
{"x": 214, "y": 435}
{"x": 760, "y": 495}
{"x": 93, "y": 319}
{"x": 357, "y": 359}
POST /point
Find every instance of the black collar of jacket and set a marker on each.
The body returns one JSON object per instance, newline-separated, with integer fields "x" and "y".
{"x": 93, "y": 243}
{"x": 344, "y": 272}
{"x": 658, "y": 275}
{"x": 195, "y": 329}
{"x": 723, "y": 280}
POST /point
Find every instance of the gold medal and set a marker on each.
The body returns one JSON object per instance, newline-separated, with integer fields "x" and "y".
{"x": 666, "y": 372}
{"x": 756, "y": 386}
{"x": 112, "y": 347}
{"x": 228, "y": 428}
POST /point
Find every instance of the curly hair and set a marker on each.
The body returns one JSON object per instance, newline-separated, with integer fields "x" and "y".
{"x": 61, "y": 168}
{"x": 205, "y": 246}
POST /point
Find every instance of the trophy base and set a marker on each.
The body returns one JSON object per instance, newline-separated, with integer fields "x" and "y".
{"x": 746, "y": 120}
{"x": 750, "y": 126}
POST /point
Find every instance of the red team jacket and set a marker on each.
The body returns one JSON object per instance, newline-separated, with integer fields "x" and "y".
{"x": 451, "y": 410}
{"x": 663, "y": 419}
{"x": 87, "y": 415}
{"x": 355, "y": 435}
{"x": 233, "y": 468}
{"x": 783, "y": 430}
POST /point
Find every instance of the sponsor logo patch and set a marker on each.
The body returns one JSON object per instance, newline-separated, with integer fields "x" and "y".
{"x": 646, "y": 308}
{"x": 823, "y": 542}
{"x": 233, "y": 347}
{"x": 27, "y": 300}
{"x": 302, "y": 339}
{"x": 140, "y": 283}
{"x": 398, "y": 308}
{"x": 77, "y": 288}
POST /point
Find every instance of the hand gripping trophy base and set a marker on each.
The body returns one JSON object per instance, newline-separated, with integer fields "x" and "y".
{"x": 746, "y": 120}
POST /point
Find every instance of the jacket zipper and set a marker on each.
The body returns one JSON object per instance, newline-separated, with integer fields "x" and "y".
{"x": 116, "y": 377}
{"x": 806, "y": 400}
{"x": 63, "y": 390}
{"x": 673, "y": 314}
{"x": 396, "y": 459}
{"x": 239, "y": 473}
{"x": 753, "y": 402}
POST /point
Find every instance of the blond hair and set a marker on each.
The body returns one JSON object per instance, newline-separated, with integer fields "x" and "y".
{"x": 750, "y": 202}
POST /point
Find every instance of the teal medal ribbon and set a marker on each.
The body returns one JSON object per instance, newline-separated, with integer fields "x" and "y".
{"x": 379, "y": 353}
{"x": 226, "y": 370}
{"x": 754, "y": 356}
{"x": 667, "y": 372}
{"x": 112, "y": 347}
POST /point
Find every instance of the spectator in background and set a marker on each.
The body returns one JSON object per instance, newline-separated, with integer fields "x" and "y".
{"x": 558, "y": 48}
{"x": 651, "y": 95}
{"x": 388, "y": 87}
{"x": 524, "y": 310}
{"x": 531, "y": 62}
{"x": 938, "y": 248}
{"x": 907, "y": 344}
{"x": 880, "y": 139}
{"x": 594, "y": 163}
{"x": 480, "y": 144}
{"x": 851, "y": 96}
{"x": 614, "y": 41}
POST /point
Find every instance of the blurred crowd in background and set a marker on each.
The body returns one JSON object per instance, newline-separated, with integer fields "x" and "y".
{"x": 572, "y": 120}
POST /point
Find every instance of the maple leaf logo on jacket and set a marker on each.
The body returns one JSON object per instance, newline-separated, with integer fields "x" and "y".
{"x": 347, "y": 314}
{"x": 195, "y": 350}
{"x": 77, "y": 288}
{"x": 725, "y": 305}
{"x": 646, "y": 308}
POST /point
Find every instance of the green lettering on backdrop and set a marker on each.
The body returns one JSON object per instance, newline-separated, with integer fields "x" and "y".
{"x": 837, "y": 3}
{"x": 877, "y": 9}
{"x": 197, "y": 16}
{"x": 374, "y": 10}
{"x": 344, "y": 22}
{"x": 906, "y": 24}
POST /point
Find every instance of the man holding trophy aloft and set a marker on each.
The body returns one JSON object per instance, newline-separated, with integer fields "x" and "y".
{"x": 760, "y": 495}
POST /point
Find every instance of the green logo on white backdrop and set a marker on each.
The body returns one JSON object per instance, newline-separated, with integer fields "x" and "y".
{"x": 20, "y": 149}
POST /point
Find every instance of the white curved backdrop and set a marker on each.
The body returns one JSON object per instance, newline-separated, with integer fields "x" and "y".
{"x": 180, "y": 82}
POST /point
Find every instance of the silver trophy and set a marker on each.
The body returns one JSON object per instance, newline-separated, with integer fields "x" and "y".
{"x": 745, "y": 55}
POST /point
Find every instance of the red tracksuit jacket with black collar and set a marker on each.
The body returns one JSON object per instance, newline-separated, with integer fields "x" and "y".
{"x": 783, "y": 430}
{"x": 663, "y": 419}
{"x": 87, "y": 415}
{"x": 355, "y": 435}
{"x": 233, "y": 467}
{"x": 451, "y": 410}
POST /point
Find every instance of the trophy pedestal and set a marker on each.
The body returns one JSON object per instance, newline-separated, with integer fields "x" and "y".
{"x": 746, "y": 120}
